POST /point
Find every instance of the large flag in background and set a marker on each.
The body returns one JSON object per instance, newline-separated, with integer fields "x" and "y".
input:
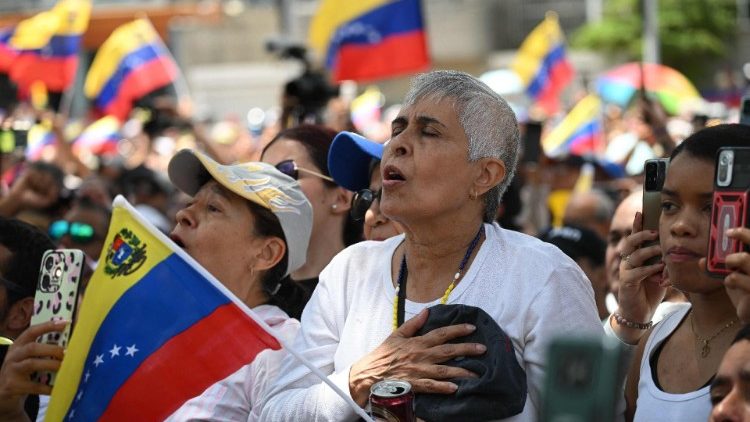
{"x": 100, "y": 137}
{"x": 579, "y": 133}
{"x": 366, "y": 40}
{"x": 155, "y": 329}
{"x": 542, "y": 64}
{"x": 45, "y": 47}
{"x": 7, "y": 54}
{"x": 130, "y": 64}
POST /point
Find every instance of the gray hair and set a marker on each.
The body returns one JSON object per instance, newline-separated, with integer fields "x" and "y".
{"x": 487, "y": 120}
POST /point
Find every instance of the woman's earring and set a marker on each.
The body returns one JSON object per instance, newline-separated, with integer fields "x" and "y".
{"x": 334, "y": 207}
{"x": 472, "y": 195}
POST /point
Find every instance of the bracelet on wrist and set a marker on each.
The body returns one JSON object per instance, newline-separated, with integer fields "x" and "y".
{"x": 621, "y": 320}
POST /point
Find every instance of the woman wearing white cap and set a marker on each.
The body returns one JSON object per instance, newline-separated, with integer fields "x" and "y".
{"x": 249, "y": 226}
{"x": 453, "y": 151}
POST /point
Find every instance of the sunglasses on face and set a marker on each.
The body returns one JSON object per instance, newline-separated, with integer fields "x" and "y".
{"x": 361, "y": 202}
{"x": 291, "y": 169}
{"x": 79, "y": 232}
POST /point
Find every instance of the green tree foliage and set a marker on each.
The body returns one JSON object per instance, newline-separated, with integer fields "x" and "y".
{"x": 691, "y": 32}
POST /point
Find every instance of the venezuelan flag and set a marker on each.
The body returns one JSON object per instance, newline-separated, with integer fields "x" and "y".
{"x": 47, "y": 45}
{"x": 39, "y": 138}
{"x": 7, "y": 54}
{"x": 131, "y": 63}
{"x": 366, "y": 40}
{"x": 154, "y": 330}
{"x": 542, "y": 64}
{"x": 579, "y": 133}
{"x": 100, "y": 137}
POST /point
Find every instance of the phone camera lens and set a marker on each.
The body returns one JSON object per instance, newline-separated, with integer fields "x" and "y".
{"x": 48, "y": 263}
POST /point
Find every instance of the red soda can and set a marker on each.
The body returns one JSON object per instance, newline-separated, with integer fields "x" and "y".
{"x": 392, "y": 401}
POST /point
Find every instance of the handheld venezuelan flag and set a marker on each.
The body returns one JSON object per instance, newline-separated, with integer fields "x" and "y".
{"x": 130, "y": 64}
{"x": 100, "y": 137}
{"x": 542, "y": 64}
{"x": 366, "y": 40}
{"x": 45, "y": 47}
{"x": 579, "y": 133}
{"x": 154, "y": 330}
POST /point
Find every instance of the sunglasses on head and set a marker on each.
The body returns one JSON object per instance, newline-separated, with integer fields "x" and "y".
{"x": 79, "y": 232}
{"x": 361, "y": 202}
{"x": 291, "y": 169}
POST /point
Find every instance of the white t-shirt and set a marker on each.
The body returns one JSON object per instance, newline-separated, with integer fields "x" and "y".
{"x": 239, "y": 397}
{"x": 656, "y": 405}
{"x": 529, "y": 287}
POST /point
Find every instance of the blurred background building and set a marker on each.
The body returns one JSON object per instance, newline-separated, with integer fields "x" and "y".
{"x": 223, "y": 46}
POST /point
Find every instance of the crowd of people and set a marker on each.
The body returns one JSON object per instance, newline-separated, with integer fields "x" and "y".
{"x": 366, "y": 244}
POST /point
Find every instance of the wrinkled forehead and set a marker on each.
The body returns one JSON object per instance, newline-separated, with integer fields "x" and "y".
{"x": 433, "y": 98}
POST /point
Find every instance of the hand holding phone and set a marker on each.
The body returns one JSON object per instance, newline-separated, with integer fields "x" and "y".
{"x": 655, "y": 172}
{"x": 56, "y": 297}
{"x": 730, "y": 207}
{"x": 21, "y": 362}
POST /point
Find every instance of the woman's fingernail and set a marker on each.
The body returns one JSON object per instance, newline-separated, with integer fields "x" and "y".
{"x": 470, "y": 327}
{"x": 59, "y": 322}
{"x": 481, "y": 348}
{"x": 454, "y": 387}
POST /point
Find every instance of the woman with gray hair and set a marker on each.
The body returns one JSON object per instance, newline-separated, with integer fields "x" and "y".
{"x": 453, "y": 151}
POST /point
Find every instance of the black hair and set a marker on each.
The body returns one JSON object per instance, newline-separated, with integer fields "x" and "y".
{"x": 577, "y": 242}
{"x": 705, "y": 143}
{"x": 85, "y": 203}
{"x": 743, "y": 334}
{"x": 26, "y": 244}
{"x": 281, "y": 291}
{"x": 317, "y": 141}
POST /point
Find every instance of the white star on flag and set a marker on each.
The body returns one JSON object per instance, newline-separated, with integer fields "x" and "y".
{"x": 98, "y": 360}
{"x": 88, "y": 374}
{"x": 131, "y": 351}
{"x": 115, "y": 351}
{"x": 80, "y": 394}
{"x": 72, "y": 413}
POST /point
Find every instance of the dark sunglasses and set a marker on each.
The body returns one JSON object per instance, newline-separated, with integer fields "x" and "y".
{"x": 291, "y": 169}
{"x": 361, "y": 202}
{"x": 79, "y": 232}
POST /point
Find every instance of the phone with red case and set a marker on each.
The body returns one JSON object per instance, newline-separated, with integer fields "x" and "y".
{"x": 730, "y": 206}
{"x": 56, "y": 297}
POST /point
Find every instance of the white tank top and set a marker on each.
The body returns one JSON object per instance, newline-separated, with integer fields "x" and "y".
{"x": 656, "y": 405}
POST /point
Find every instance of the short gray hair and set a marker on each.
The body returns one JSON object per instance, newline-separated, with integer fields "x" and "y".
{"x": 488, "y": 122}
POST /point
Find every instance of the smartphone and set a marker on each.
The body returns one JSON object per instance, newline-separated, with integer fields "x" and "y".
{"x": 56, "y": 297}
{"x": 729, "y": 209}
{"x": 655, "y": 172}
{"x": 745, "y": 110}
{"x": 584, "y": 379}
{"x": 532, "y": 145}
